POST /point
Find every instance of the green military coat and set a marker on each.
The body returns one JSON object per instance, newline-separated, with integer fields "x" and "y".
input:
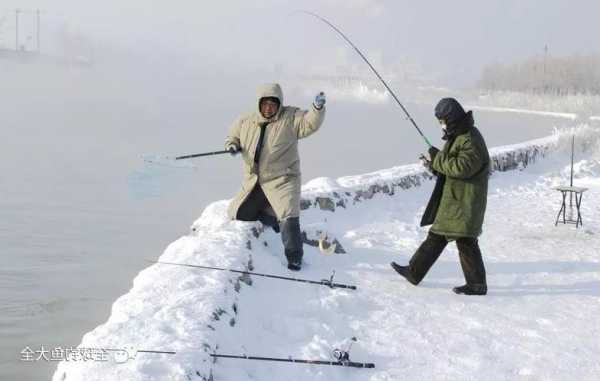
{"x": 457, "y": 205}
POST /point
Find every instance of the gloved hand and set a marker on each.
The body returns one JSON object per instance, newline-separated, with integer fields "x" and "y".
{"x": 427, "y": 164}
{"x": 233, "y": 149}
{"x": 320, "y": 100}
{"x": 425, "y": 161}
{"x": 432, "y": 152}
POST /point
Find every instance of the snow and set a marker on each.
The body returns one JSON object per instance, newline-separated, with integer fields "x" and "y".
{"x": 539, "y": 320}
{"x": 321, "y": 185}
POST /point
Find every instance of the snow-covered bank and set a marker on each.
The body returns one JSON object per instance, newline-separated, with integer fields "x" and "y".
{"x": 539, "y": 320}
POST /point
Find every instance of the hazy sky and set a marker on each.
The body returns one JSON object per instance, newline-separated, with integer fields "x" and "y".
{"x": 454, "y": 38}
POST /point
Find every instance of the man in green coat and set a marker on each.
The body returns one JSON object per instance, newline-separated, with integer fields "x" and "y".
{"x": 457, "y": 205}
{"x": 268, "y": 141}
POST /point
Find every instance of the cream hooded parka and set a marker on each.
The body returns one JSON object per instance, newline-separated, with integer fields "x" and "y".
{"x": 278, "y": 169}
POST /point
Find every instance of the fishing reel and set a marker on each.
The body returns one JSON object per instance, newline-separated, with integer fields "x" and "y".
{"x": 342, "y": 355}
{"x": 329, "y": 282}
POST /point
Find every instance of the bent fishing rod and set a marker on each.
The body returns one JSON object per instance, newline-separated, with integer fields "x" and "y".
{"x": 325, "y": 282}
{"x": 324, "y": 20}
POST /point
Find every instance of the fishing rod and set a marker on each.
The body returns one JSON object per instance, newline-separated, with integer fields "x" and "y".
{"x": 373, "y": 69}
{"x": 324, "y": 282}
{"x": 169, "y": 159}
{"x": 351, "y": 364}
{"x": 132, "y": 352}
{"x": 341, "y": 356}
{"x": 202, "y": 154}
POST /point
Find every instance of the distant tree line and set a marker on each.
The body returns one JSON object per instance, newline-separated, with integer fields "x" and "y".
{"x": 545, "y": 75}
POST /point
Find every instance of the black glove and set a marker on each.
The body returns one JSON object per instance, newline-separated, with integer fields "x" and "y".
{"x": 432, "y": 152}
{"x": 427, "y": 164}
{"x": 424, "y": 159}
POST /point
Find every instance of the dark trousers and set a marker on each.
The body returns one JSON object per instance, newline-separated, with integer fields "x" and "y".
{"x": 468, "y": 251}
{"x": 254, "y": 209}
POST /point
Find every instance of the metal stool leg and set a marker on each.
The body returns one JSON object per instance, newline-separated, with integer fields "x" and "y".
{"x": 562, "y": 208}
{"x": 564, "y": 218}
{"x": 578, "y": 204}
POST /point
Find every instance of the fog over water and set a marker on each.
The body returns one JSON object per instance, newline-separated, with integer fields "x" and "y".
{"x": 118, "y": 80}
{"x": 448, "y": 41}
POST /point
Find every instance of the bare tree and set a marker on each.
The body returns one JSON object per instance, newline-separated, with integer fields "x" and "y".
{"x": 545, "y": 75}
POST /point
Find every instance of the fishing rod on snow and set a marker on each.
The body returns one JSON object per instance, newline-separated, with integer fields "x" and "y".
{"x": 342, "y": 358}
{"x": 351, "y": 364}
{"x": 324, "y": 20}
{"x": 324, "y": 282}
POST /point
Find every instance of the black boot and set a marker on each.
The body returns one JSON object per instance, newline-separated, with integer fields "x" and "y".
{"x": 471, "y": 289}
{"x": 292, "y": 242}
{"x": 405, "y": 272}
